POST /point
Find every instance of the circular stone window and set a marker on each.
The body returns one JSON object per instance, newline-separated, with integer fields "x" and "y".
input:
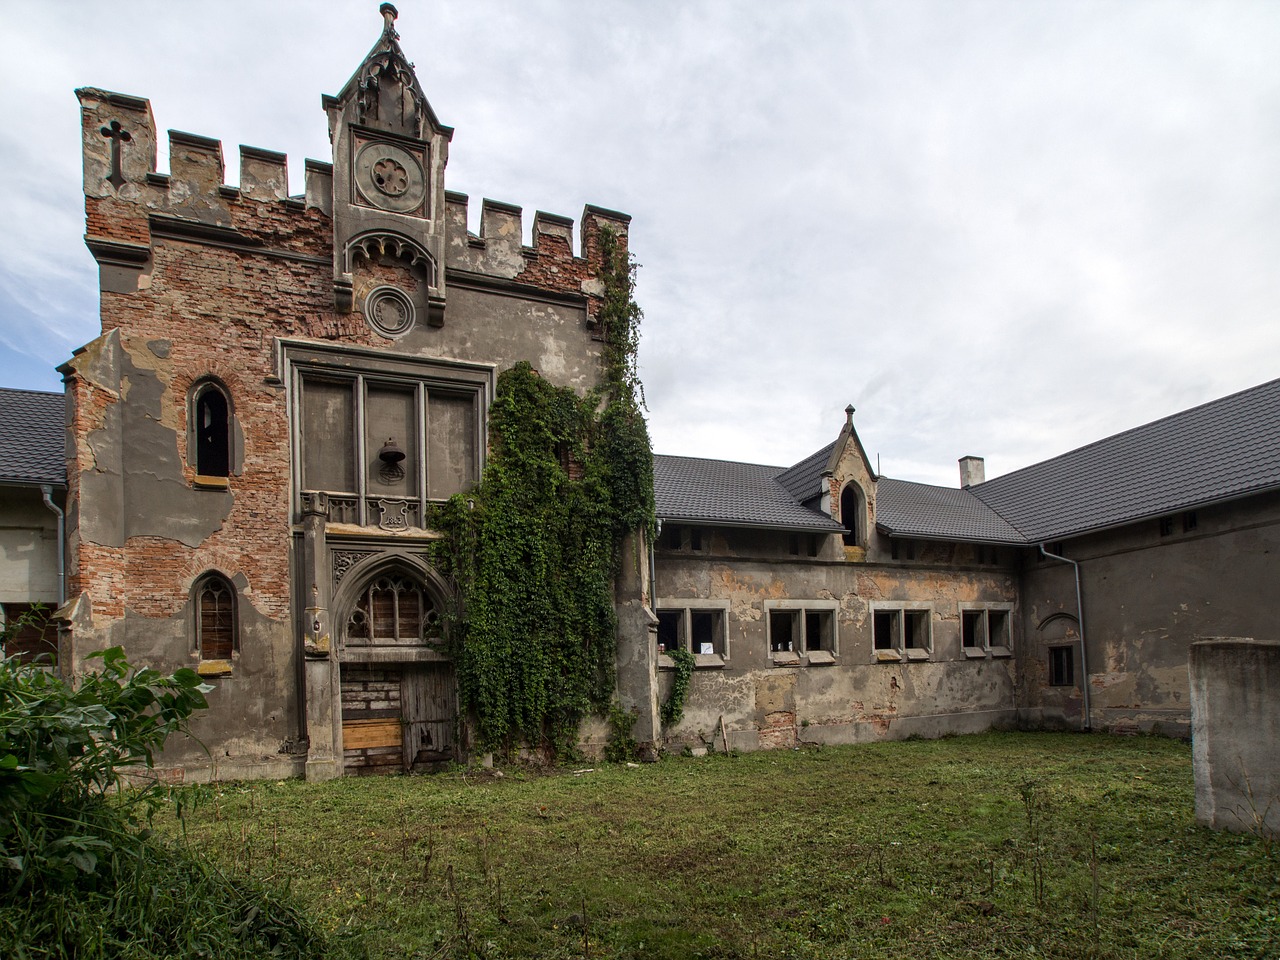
{"x": 389, "y": 311}
{"x": 390, "y": 177}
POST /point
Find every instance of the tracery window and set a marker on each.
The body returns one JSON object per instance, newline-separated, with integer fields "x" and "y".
{"x": 215, "y": 601}
{"x": 394, "y": 609}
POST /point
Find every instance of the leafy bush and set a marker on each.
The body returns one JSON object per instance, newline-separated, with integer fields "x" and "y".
{"x": 62, "y": 748}
{"x": 80, "y": 873}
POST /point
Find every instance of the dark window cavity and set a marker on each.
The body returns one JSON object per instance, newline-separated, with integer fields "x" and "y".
{"x": 213, "y": 432}
{"x": 1062, "y": 666}
{"x": 850, "y": 512}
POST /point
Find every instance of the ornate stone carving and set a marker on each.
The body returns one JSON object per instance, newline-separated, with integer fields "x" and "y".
{"x": 389, "y": 311}
{"x": 395, "y": 514}
{"x": 389, "y": 96}
{"x": 344, "y": 560}
{"x": 389, "y": 177}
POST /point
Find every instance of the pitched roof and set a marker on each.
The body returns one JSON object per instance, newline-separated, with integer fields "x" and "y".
{"x": 907, "y": 509}
{"x": 724, "y": 493}
{"x": 1220, "y": 450}
{"x": 32, "y": 437}
{"x": 801, "y": 480}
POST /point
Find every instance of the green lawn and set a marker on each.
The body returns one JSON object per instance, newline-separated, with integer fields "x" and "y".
{"x": 1002, "y": 845}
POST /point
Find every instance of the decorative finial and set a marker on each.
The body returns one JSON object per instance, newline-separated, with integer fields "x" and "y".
{"x": 389, "y": 14}
{"x": 848, "y": 414}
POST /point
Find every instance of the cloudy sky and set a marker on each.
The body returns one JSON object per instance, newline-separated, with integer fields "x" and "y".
{"x": 997, "y": 228}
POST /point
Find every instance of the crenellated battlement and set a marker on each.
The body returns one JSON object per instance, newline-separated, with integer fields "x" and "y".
{"x": 126, "y": 199}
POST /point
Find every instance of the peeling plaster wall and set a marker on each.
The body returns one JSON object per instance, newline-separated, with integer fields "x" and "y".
{"x": 200, "y": 281}
{"x": 1147, "y": 597}
{"x": 28, "y": 546}
{"x": 859, "y": 697}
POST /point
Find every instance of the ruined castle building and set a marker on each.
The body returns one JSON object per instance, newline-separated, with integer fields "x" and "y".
{"x": 282, "y": 385}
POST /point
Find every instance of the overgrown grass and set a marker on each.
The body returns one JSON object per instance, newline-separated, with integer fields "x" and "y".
{"x": 1001, "y": 845}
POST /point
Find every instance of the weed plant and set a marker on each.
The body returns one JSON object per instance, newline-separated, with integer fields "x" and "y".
{"x": 1001, "y": 845}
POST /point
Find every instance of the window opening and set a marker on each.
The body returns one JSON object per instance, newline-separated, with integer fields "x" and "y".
{"x": 705, "y": 630}
{"x": 1189, "y": 521}
{"x": 850, "y": 509}
{"x": 215, "y": 618}
{"x": 394, "y": 609}
{"x": 915, "y": 635}
{"x": 669, "y": 624}
{"x": 886, "y": 629}
{"x": 1062, "y": 667}
{"x": 213, "y": 433}
{"x": 782, "y": 630}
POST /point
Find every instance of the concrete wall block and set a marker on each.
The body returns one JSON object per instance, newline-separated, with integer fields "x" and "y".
{"x": 1235, "y": 733}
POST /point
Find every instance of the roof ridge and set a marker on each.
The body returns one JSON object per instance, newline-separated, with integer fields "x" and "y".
{"x": 1124, "y": 433}
{"x": 740, "y": 463}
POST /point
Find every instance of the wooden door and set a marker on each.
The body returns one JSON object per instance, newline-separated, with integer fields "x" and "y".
{"x": 430, "y": 712}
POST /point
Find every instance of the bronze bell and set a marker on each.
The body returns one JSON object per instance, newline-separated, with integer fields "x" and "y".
{"x": 391, "y": 452}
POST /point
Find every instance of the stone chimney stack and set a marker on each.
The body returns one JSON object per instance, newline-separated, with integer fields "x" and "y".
{"x": 972, "y": 471}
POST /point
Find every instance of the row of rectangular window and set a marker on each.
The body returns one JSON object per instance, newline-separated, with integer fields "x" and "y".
{"x": 796, "y": 629}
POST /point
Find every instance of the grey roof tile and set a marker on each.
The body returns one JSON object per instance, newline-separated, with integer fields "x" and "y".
{"x": 721, "y": 492}
{"x": 908, "y": 509}
{"x": 32, "y": 437}
{"x": 802, "y": 480}
{"x": 1226, "y": 448}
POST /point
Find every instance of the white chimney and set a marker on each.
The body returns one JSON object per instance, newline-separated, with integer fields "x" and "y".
{"x": 973, "y": 470}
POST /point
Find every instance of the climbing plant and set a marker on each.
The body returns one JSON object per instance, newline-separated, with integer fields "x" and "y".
{"x": 534, "y": 548}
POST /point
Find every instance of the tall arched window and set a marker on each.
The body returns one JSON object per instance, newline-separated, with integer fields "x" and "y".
{"x": 215, "y": 613}
{"x": 212, "y": 434}
{"x": 394, "y": 609}
{"x": 851, "y": 513}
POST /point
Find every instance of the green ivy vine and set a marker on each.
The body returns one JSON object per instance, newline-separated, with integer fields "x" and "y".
{"x": 534, "y": 548}
{"x": 673, "y": 706}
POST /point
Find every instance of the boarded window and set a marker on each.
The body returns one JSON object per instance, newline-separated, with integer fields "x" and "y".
{"x": 394, "y": 610}
{"x": 215, "y": 618}
{"x": 452, "y": 444}
{"x": 391, "y": 419}
{"x": 328, "y": 436}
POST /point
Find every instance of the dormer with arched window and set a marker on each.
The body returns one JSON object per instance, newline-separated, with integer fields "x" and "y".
{"x": 851, "y": 492}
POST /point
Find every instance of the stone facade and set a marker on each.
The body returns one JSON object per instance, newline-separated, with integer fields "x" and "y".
{"x": 307, "y": 333}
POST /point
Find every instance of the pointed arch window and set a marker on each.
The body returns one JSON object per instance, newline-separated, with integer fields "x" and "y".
{"x": 394, "y": 609}
{"x": 211, "y": 410}
{"x": 851, "y": 514}
{"x": 215, "y": 616}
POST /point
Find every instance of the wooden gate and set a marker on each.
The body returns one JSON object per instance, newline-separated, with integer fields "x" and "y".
{"x": 397, "y": 717}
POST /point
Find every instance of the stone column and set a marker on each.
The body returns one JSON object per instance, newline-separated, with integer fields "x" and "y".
{"x": 322, "y": 688}
{"x": 637, "y": 643}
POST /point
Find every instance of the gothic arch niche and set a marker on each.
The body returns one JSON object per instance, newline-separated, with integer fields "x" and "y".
{"x": 397, "y": 283}
{"x": 397, "y": 687}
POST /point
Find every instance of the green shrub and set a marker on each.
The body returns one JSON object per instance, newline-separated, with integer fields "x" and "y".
{"x": 80, "y": 873}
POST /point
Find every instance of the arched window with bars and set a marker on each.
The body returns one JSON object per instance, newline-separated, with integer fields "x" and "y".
{"x": 215, "y": 617}
{"x": 394, "y": 609}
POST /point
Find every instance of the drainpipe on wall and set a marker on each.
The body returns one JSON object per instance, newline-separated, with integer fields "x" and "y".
{"x": 1084, "y": 654}
{"x": 47, "y": 490}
